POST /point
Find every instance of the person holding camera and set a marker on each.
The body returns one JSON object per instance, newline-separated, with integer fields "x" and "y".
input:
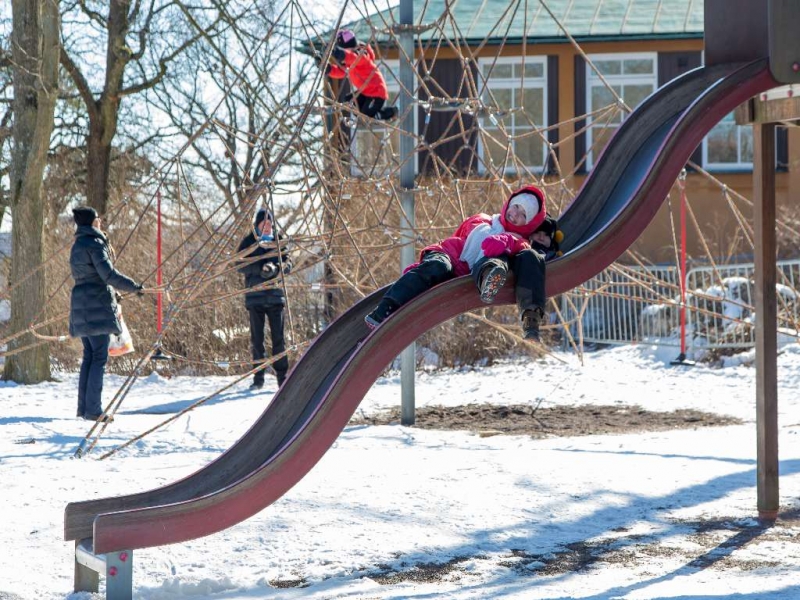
{"x": 265, "y": 299}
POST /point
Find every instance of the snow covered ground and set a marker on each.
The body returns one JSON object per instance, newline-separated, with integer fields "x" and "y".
{"x": 393, "y": 512}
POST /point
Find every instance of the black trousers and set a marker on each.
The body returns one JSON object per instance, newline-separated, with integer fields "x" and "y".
{"x": 90, "y": 380}
{"x": 434, "y": 269}
{"x": 371, "y": 106}
{"x": 529, "y": 276}
{"x": 258, "y": 316}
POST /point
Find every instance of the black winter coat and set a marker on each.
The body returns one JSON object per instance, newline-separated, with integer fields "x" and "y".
{"x": 93, "y": 307}
{"x": 254, "y": 276}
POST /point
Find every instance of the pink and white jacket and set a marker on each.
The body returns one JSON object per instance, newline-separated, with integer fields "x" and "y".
{"x": 468, "y": 244}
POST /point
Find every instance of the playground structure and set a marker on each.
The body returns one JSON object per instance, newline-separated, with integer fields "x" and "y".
{"x": 629, "y": 182}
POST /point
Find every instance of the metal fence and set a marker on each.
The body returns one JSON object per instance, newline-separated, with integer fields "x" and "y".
{"x": 633, "y": 304}
{"x": 609, "y": 308}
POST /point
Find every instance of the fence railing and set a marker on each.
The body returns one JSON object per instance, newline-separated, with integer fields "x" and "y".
{"x": 633, "y": 304}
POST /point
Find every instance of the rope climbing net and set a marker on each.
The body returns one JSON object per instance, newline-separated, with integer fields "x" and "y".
{"x": 331, "y": 177}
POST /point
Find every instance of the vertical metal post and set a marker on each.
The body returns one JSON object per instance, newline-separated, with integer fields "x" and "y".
{"x": 407, "y": 183}
{"x": 119, "y": 575}
{"x": 766, "y": 321}
{"x": 86, "y": 579}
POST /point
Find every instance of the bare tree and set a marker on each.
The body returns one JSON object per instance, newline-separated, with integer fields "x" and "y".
{"x": 251, "y": 86}
{"x": 34, "y": 54}
{"x": 6, "y": 95}
{"x": 143, "y": 41}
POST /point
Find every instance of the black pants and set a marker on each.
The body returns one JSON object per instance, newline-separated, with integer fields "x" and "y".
{"x": 93, "y": 368}
{"x": 529, "y": 272}
{"x": 372, "y": 107}
{"x": 258, "y": 316}
{"x": 369, "y": 106}
{"x": 434, "y": 269}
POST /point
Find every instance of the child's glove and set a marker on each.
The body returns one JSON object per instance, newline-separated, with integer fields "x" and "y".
{"x": 501, "y": 243}
{"x": 269, "y": 270}
{"x": 338, "y": 54}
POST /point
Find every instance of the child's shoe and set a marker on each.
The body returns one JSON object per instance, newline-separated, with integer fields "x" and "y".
{"x": 531, "y": 320}
{"x": 493, "y": 277}
{"x": 378, "y": 316}
{"x": 387, "y": 114}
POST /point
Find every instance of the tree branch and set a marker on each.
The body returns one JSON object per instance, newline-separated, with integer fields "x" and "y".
{"x": 80, "y": 82}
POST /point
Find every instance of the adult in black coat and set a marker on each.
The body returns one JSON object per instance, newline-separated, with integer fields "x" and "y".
{"x": 93, "y": 307}
{"x": 266, "y": 300}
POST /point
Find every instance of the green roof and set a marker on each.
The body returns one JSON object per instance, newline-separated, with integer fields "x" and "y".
{"x": 498, "y": 20}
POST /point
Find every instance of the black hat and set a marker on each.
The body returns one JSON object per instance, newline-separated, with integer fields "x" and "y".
{"x": 549, "y": 226}
{"x": 263, "y": 212}
{"x": 84, "y": 215}
{"x": 346, "y": 39}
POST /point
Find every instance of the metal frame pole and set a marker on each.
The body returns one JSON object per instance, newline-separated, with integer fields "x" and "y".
{"x": 407, "y": 184}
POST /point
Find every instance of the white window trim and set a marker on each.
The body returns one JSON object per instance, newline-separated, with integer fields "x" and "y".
{"x": 591, "y": 76}
{"x": 722, "y": 167}
{"x": 392, "y": 85}
{"x": 515, "y": 84}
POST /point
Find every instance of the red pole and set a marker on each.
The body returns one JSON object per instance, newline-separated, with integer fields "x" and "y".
{"x": 682, "y": 184}
{"x": 158, "y": 261}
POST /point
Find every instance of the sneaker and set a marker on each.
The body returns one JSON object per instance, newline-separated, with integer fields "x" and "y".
{"x": 493, "y": 277}
{"x": 378, "y": 316}
{"x": 256, "y": 385}
{"x": 531, "y": 320}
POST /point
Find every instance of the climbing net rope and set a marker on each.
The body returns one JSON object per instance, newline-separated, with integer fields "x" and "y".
{"x": 331, "y": 177}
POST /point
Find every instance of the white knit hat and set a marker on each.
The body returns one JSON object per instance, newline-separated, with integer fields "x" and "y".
{"x": 528, "y": 202}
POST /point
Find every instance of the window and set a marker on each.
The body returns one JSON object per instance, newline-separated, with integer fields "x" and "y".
{"x": 633, "y": 77}
{"x": 517, "y": 90}
{"x": 728, "y": 146}
{"x": 376, "y": 148}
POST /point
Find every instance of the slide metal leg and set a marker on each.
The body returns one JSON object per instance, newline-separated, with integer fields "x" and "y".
{"x": 117, "y": 567}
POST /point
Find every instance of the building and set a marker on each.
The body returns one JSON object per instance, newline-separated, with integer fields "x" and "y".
{"x": 538, "y": 78}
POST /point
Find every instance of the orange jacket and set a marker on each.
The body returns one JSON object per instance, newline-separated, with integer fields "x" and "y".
{"x": 363, "y": 73}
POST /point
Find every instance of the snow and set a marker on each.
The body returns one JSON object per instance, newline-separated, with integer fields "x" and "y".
{"x": 669, "y": 514}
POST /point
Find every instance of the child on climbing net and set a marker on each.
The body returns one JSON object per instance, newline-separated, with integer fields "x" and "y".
{"x": 356, "y": 61}
{"x": 487, "y": 246}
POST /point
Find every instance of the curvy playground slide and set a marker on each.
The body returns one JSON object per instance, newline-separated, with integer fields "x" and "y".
{"x": 617, "y": 201}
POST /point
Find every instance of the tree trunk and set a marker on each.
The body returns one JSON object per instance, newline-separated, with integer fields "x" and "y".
{"x": 35, "y": 53}
{"x": 98, "y": 157}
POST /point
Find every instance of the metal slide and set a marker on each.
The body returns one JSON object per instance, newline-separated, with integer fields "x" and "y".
{"x": 617, "y": 201}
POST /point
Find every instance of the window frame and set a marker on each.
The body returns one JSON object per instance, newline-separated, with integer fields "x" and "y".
{"x": 514, "y": 84}
{"x": 390, "y": 68}
{"x": 612, "y": 79}
{"x": 736, "y": 167}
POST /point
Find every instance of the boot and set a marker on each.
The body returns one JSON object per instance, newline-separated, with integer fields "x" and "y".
{"x": 387, "y": 114}
{"x": 492, "y": 278}
{"x": 378, "y": 316}
{"x": 531, "y": 319}
{"x": 101, "y": 418}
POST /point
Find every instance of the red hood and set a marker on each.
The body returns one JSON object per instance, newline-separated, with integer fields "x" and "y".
{"x": 532, "y": 225}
